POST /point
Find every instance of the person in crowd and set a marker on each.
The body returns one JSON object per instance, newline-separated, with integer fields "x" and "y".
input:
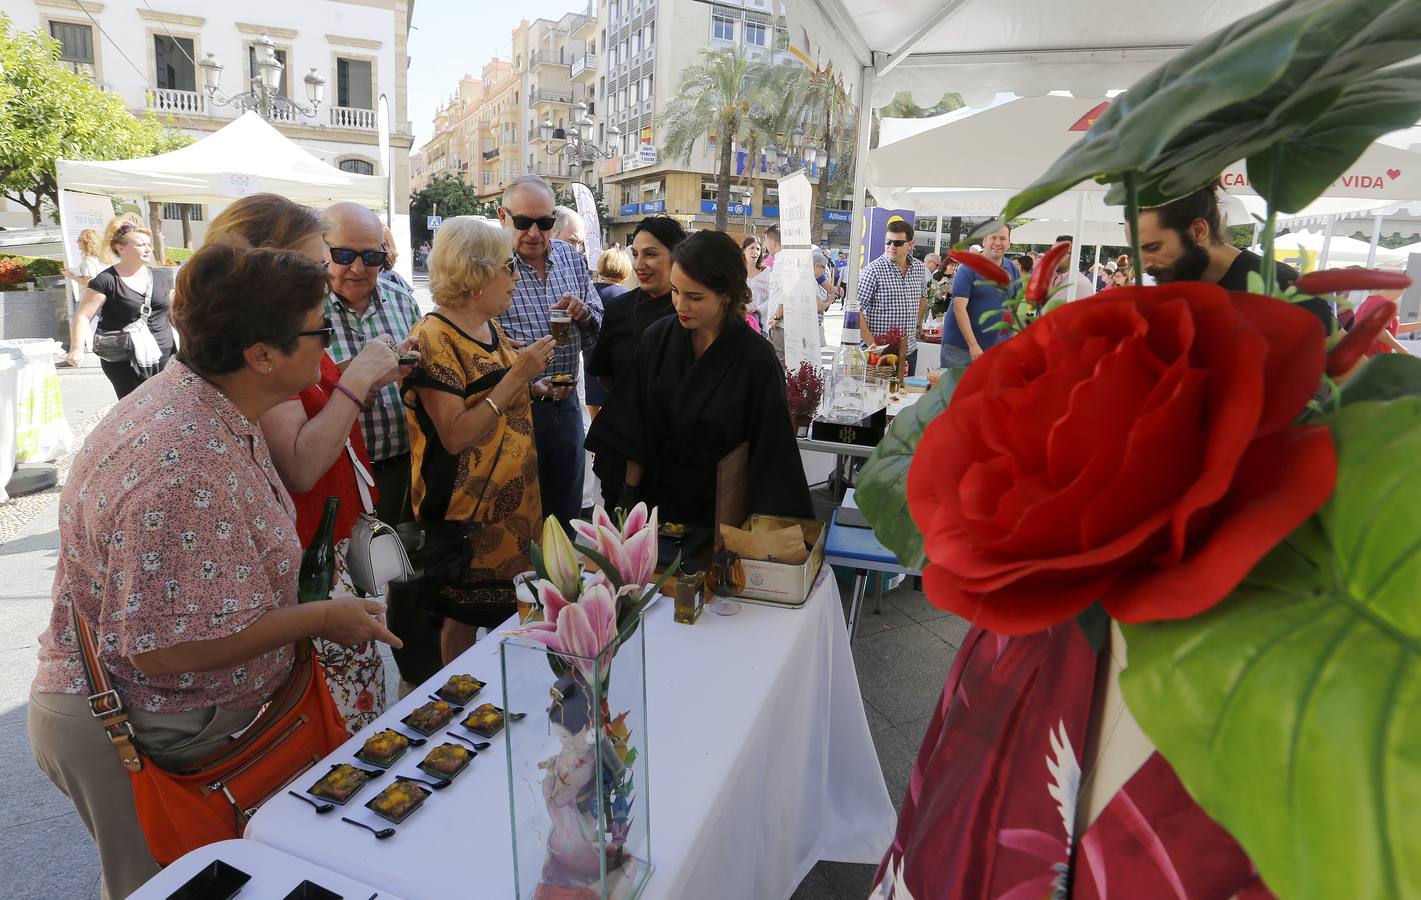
{"x": 1122, "y": 276}
{"x": 471, "y": 420}
{"x": 569, "y": 228}
{"x": 841, "y": 272}
{"x": 552, "y": 277}
{"x": 614, "y": 269}
{"x": 626, "y": 320}
{"x": 1182, "y": 241}
{"x": 1025, "y": 262}
{"x": 1386, "y": 342}
{"x": 822, "y": 299}
{"x": 421, "y": 256}
{"x": 762, "y": 286}
{"x": 750, "y": 249}
{"x": 89, "y": 263}
{"x": 307, "y": 436}
{"x": 177, "y": 547}
{"x": 364, "y": 307}
{"x": 893, "y": 290}
{"x": 964, "y": 334}
{"x": 106, "y": 253}
{"x": 700, "y": 385}
{"x": 933, "y": 263}
{"x": 120, "y": 295}
{"x": 1065, "y": 275}
{"x": 387, "y": 268}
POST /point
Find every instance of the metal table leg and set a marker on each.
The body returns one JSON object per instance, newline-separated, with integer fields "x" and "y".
{"x": 856, "y": 603}
{"x": 880, "y": 577}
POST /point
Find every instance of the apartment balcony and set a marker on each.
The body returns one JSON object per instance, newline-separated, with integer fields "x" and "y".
{"x": 353, "y": 117}
{"x": 182, "y": 102}
{"x": 584, "y": 67}
{"x": 491, "y": 154}
{"x": 548, "y": 58}
{"x": 548, "y": 170}
{"x": 586, "y": 30}
{"x": 543, "y": 95}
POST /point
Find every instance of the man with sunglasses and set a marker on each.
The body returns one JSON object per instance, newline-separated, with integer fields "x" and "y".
{"x": 552, "y": 276}
{"x": 893, "y": 290}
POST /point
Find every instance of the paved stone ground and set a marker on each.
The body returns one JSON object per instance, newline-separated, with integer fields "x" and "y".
{"x": 903, "y": 654}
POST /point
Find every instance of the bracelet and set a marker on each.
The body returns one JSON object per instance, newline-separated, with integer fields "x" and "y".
{"x": 347, "y": 391}
{"x": 493, "y": 406}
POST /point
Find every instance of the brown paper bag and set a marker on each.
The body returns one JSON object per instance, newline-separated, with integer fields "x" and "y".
{"x": 782, "y": 545}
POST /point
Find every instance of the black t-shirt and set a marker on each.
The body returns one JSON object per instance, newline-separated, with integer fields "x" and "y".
{"x": 122, "y": 304}
{"x": 624, "y": 319}
{"x": 1236, "y": 279}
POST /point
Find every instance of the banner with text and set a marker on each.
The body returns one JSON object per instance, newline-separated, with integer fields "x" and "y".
{"x": 587, "y": 208}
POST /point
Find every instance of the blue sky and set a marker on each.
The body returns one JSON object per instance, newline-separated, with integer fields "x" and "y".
{"x": 451, "y": 37}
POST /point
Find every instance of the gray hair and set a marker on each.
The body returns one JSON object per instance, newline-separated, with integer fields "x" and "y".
{"x": 565, "y": 217}
{"x": 820, "y": 259}
{"x": 527, "y": 182}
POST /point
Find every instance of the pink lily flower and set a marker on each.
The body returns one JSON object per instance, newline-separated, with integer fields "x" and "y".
{"x": 634, "y": 557}
{"x": 585, "y": 631}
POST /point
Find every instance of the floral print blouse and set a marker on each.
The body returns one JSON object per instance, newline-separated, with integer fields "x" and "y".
{"x": 173, "y": 527}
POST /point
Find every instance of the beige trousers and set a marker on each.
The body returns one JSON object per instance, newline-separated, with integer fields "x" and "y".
{"x": 71, "y": 748}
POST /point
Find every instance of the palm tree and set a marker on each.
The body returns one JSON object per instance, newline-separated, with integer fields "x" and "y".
{"x": 715, "y": 95}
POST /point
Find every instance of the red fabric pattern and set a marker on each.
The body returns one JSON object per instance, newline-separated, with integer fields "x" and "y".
{"x": 339, "y": 480}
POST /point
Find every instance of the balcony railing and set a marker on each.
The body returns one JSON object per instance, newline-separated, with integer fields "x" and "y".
{"x": 542, "y": 95}
{"x": 584, "y": 65}
{"x": 547, "y": 58}
{"x": 548, "y": 170}
{"x": 353, "y": 117}
{"x": 168, "y": 100}
{"x": 491, "y": 154}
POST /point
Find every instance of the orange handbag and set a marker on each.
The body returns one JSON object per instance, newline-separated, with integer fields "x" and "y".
{"x": 214, "y": 799}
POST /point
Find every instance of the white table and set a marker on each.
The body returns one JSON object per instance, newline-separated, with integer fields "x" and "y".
{"x": 761, "y": 765}
{"x": 274, "y": 874}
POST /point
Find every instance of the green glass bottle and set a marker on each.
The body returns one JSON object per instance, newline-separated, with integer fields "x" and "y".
{"x": 318, "y": 563}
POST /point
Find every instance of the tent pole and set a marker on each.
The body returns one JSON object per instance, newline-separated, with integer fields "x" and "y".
{"x": 1326, "y": 241}
{"x": 1376, "y": 240}
{"x": 937, "y": 239}
{"x": 1076, "y": 236}
{"x": 865, "y": 125}
{"x": 1098, "y": 264}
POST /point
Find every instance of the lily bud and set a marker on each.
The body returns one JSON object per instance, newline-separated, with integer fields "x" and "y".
{"x": 560, "y": 559}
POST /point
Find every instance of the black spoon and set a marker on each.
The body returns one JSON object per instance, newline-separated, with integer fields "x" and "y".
{"x": 436, "y": 785}
{"x": 414, "y": 741}
{"x": 516, "y": 717}
{"x": 321, "y": 808}
{"x": 380, "y": 833}
{"x": 454, "y": 706}
{"x": 477, "y": 745}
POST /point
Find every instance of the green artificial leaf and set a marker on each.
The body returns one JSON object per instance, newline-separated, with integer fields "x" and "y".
{"x": 540, "y": 568}
{"x": 1255, "y": 283}
{"x": 603, "y": 564}
{"x": 1387, "y": 376}
{"x": 1292, "y": 710}
{"x": 882, "y": 492}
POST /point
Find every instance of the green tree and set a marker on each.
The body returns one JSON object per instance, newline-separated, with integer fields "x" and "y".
{"x": 445, "y": 196}
{"x": 715, "y": 95}
{"x": 49, "y": 113}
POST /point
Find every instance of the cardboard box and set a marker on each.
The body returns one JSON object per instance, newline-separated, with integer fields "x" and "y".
{"x": 779, "y": 583}
{"x": 865, "y": 433}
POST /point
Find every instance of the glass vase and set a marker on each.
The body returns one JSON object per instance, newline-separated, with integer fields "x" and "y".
{"x": 577, "y": 769}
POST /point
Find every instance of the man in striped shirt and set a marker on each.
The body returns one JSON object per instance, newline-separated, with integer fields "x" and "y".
{"x": 893, "y": 290}
{"x": 552, "y": 279}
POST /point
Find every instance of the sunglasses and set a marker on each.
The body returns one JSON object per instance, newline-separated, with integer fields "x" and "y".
{"x": 343, "y": 256}
{"x": 523, "y": 223}
{"x": 510, "y": 266}
{"x": 326, "y": 332}
{"x": 892, "y": 243}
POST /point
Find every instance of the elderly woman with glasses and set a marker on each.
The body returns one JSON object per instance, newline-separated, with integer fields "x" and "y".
{"x": 316, "y": 442}
{"x": 178, "y": 549}
{"x": 471, "y": 425}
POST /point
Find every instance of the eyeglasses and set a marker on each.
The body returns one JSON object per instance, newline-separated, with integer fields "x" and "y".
{"x": 343, "y": 256}
{"x": 510, "y": 266}
{"x": 523, "y": 223}
{"x": 326, "y": 332}
{"x": 893, "y": 243}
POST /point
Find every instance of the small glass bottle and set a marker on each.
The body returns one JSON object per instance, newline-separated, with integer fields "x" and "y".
{"x": 689, "y": 597}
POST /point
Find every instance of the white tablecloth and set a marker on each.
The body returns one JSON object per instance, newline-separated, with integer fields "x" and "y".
{"x": 761, "y": 765}
{"x": 274, "y": 874}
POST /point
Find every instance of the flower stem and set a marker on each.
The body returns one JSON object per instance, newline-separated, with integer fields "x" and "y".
{"x": 1270, "y": 225}
{"x": 1132, "y": 216}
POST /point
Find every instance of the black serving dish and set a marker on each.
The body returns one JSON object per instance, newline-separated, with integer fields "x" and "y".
{"x": 309, "y": 890}
{"x": 369, "y": 774}
{"x": 216, "y": 881}
{"x": 424, "y": 793}
{"x": 487, "y": 730}
{"x": 409, "y": 720}
{"x": 448, "y": 776}
{"x": 384, "y": 763}
{"x": 458, "y": 699}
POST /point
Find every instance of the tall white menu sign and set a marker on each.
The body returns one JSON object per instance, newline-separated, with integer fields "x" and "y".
{"x": 794, "y": 272}
{"x": 587, "y": 208}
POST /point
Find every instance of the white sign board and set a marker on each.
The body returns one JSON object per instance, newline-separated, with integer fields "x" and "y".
{"x": 794, "y": 272}
{"x": 796, "y": 210}
{"x": 587, "y": 208}
{"x": 77, "y": 212}
{"x": 646, "y": 154}
{"x": 432, "y": 223}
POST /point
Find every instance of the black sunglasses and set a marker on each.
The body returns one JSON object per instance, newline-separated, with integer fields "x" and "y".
{"x": 893, "y": 243}
{"x": 343, "y": 256}
{"x": 326, "y": 332}
{"x": 523, "y": 223}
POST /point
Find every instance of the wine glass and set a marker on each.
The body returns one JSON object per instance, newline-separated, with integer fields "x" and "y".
{"x": 727, "y": 578}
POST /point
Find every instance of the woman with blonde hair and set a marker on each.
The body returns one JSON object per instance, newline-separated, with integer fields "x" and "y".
{"x": 90, "y": 262}
{"x": 614, "y": 269}
{"x": 132, "y": 219}
{"x": 308, "y": 435}
{"x": 471, "y": 424}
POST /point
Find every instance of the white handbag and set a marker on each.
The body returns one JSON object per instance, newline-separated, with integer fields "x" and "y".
{"x": 375, "y": 557}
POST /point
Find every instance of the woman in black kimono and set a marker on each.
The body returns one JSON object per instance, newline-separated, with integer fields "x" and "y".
{"x": 624, "y": 319}
{"x": 701, "y": 384}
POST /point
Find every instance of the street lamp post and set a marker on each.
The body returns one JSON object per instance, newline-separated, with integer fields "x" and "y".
{"x": 577, "y": 148}
{"x": 264, "y": 97}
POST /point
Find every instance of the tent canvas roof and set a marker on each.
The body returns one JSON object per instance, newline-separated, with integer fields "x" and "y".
{"x": 245, "y": 157}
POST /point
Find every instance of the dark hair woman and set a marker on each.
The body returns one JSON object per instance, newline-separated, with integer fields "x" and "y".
{"x": 626, "y": 318}
{"x": 702, "y": 384}
{"x": 178, "y": 547}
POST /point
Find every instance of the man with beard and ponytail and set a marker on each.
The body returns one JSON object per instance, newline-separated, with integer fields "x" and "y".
{"x": 1182, "y": 241}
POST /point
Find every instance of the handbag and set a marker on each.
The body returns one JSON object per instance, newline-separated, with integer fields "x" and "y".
{"x": 375, "y": 555}
{"x": 134, "y": 342}
{"x": 214, "y": 799}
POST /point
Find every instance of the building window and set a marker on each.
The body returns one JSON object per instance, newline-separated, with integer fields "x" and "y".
{"x": 647, "y": 83}
{"x": 357, "y": 166}
{"x": 722, "y": 28}
{"x": 173, "y": 61}
{"x": 711, "y": 191}
{"x": 781, "y": 39}
{"x": 354, "y": 84}
{"x": 653, "y": 190}
{"x": 252, "y": 69}
{"x": 76, "y": 46}
{"x": 174, "y": 211}
{"x": 772, "y": 196}
{"x": 651, "y": 34}
{"x": 755, "y": 33}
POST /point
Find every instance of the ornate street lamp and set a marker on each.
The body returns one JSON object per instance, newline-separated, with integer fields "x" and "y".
{"x": 264, "y": 96}
{"x": 578, "y": 149}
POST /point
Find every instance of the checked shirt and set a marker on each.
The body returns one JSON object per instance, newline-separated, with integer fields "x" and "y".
{"x": 393, "y": 312}
{"x": 526, "y": 319}
{"x": 888, "y": 297}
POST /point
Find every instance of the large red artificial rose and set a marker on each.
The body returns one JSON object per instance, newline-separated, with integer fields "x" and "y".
{"x": 1136, "y": 448}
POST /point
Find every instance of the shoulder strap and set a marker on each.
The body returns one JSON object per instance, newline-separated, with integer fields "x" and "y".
{"x": 363, "y": 479}
{"x": 104, "y": 701}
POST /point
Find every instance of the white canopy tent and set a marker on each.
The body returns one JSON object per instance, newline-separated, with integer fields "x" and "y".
{"x": 246, "y": 157}
{"x": 1307, "y": 248}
